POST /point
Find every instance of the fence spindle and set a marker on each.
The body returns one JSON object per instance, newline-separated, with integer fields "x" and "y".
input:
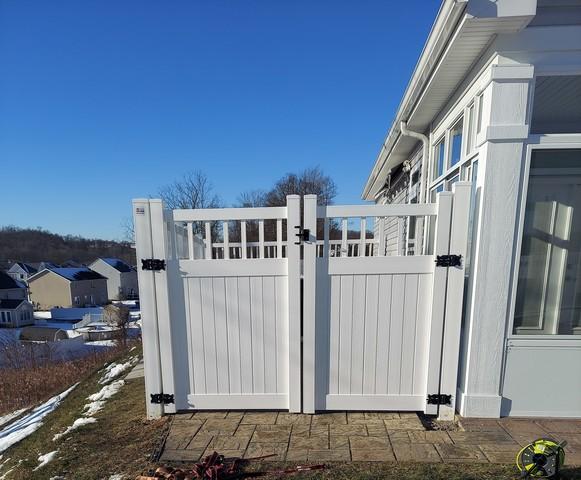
{"x": 226, "y": 242}
{"x": 190, "y": 227}
{"x": 344, "y": 248}
{"x": 279, "y": 237}
{"x": 326, "y": 238}
{"x": 243, "y": 238}
{"x": 208, "y": 241}
{"x": 260, "y": 238}
{"x": 381, "y": 232}
{"x": 362, "y": 235}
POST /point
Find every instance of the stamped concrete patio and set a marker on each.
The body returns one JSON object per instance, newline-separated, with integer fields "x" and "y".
{"x": 377, "y": 437}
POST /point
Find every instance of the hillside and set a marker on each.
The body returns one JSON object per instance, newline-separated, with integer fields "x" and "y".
{"x": 36, "y": 245}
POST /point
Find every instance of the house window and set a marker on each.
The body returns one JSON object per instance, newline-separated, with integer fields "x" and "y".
{"x": 8, "y": 317}
{"x": 456, "y": 143}
{"x": 439, "y": 158}
{"x": 77, "y": 300}
{"x": 2, "y": 317}
{"x": 548, "y": 294}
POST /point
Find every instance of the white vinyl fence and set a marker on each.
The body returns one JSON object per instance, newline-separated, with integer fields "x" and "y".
{"x": 222, "y": 320}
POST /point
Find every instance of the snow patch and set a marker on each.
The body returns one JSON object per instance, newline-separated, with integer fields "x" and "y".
{"x": 28, "y": 424}
{"x": 116, "y": 477}
{"x": 11, "y": 416}
{"x": 79, "y": 422}
{"x": 97, "y": 402}
{"x": 45, "y": 459}
{"x": 115, "y": 369}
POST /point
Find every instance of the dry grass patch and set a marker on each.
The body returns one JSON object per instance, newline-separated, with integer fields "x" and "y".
{"x": 32, "y": 377}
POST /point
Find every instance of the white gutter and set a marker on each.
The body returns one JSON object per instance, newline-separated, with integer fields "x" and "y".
{"x": 403, "y": 126}
{"x": 442, "y": 29}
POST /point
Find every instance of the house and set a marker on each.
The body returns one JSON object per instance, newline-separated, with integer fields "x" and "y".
{"x": 16, "y": 313}
{"x": 121, "y": 277}
{"x": 495, "y": 99}
{"x": 67, "y": 287}
{"x": 11, "y": 289}
{"x": 21, "y": 271}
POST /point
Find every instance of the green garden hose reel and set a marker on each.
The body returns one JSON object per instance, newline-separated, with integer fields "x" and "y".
{"x": 541, "y": 459}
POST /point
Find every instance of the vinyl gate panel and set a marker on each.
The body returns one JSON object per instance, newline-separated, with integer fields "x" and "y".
{"x": 239, "y": 336}
{"x": 381, "y": 320}
{"x": 372, "y": 335}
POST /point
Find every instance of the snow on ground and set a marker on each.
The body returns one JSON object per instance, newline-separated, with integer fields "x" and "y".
{"x": 45, "y": 459}
{"x": 31, "y": 422}
{"x": 79, "y": 422}
{"x": 97, "y": 402}
{"x": 43, "y": 314}
{"x": 11, "y": 416}
{"x": 116, "y": 477}
{"x": 115, "y": 369}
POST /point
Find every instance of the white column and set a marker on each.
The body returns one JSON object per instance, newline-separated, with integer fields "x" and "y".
{"x": 501, "y": 155}
{"x": 294, "y": 301}
{"x": 454, "y": 298}
{"x": 309, "y": 306}
{"x": 147, "y": 298}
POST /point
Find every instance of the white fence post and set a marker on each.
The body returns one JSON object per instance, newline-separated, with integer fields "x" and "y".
{"x": 147, "y": 300}
{"x": 441, "y": 247}
{"x": 309, "y": 295}
{"x": 294, "y": 302}
{"x": 454, "y": 294}
{"x": 160, "y": 250}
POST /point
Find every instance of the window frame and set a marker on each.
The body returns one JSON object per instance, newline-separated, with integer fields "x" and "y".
{"x": 535, "y": 142}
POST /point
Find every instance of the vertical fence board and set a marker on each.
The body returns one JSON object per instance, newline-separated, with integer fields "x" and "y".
{"x": 395, "y": 334}
{"x": 270, "y": 333}
{"x": 233, "y": 329}
{"x": 383, "y": 333}
{"x": 197, "y": 328}
{"x": 358, "y": 333}
{"x": 334, "y": 334}
{"x": 345, "y": 332}
{"x": 282, "y": 336}
{"x": 221, "y": 331}
{"x": 371, "y": 334}
{"x": 409, "y": 334}
{"x": 257, "y": 334}
{"x": 246, "y": 345}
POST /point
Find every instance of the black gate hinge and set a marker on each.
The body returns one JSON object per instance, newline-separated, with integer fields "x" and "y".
{"x": 448, "y": 260}
{"x": 439, "y": 399}
{"x": 302, "y": 234}
{"x": 162, "y": 398}
{"x": 154, "y": 264}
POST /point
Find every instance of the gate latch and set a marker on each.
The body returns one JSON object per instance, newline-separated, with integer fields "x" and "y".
{"x": 154, "y": 264}
{"x": 439, "y": 399}
{"x": 162, "y": 398}
{"x": 448, "y": 260}
{"x": 302, "y": 234}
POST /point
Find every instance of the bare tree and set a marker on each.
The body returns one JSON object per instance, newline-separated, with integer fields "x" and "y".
{"x": 193, "y": 190}
{"x": 128, "y": 230}
{"x": 117, "y": 316}
{"x": 309, "y": 181}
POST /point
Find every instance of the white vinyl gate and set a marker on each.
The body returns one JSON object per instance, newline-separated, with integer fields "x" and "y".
{"x": 226, "y": 324}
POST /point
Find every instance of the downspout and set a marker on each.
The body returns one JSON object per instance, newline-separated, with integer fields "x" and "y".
{"x": 425, "y": 146}
{"x": 423, "y": 183}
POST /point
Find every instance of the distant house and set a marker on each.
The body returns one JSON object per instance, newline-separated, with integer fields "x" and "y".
{"x": 21, "y": 271}
{"x": 16, "y": 313}
{"x": 121, "y": 277}
{"x": 11, "y": 289}
{"x": 67, "y": 287}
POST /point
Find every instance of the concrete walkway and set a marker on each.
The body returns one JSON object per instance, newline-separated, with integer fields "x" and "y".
{"x": 377, "y": 437}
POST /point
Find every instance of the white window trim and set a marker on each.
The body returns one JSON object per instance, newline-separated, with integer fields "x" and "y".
{"x": 535, "y": 142}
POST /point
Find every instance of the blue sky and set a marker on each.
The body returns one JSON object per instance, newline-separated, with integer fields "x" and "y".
{"x": 102, "y": 101}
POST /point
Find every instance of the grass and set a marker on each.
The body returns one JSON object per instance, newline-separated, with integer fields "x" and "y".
{"x": 121, "y": 441}
{"x": 31, "y": 377}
